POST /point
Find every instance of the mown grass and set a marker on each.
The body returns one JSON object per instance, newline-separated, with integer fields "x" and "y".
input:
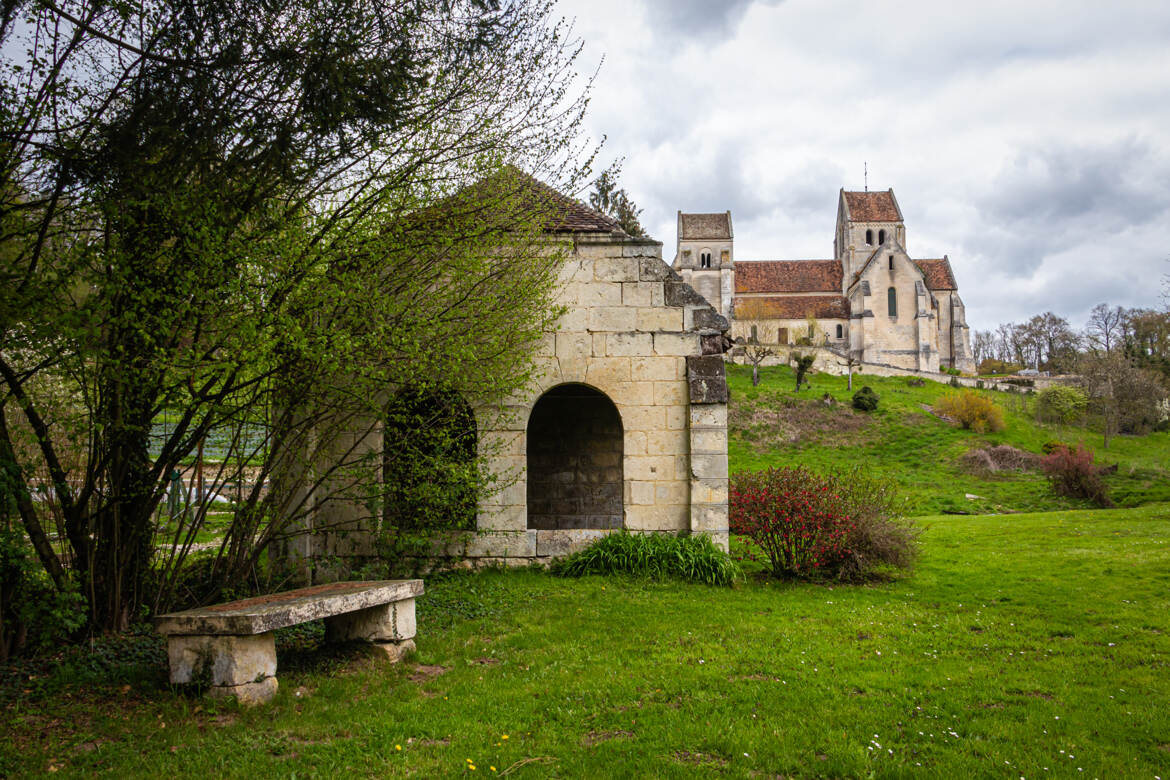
{"x": 773, "y": 425}
{"x": 1029, "y": 645}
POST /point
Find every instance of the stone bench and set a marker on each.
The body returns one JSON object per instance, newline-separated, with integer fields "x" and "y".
{"x": 231, "y": 646}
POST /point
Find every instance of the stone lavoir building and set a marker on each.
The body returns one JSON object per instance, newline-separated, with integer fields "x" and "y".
{"x": 625, "y": 428}
{"x": 871, "y": 300}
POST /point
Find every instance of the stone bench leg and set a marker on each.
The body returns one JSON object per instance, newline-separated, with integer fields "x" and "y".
{"x": 239, "y": 666}
{"x": 390, "y": 627}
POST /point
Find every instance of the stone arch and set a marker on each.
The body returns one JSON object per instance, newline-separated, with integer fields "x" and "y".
{"x": 881, "y": 237}
{"x": 705, "y": 258}
{"x": 574, "y": 451}
{"x": 869, "y": 237}
{"x": 429, "y": 467}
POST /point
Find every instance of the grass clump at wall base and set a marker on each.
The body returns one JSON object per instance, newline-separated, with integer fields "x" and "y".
{"x": 972, "y": 411}
{"x": 654, "y": 556}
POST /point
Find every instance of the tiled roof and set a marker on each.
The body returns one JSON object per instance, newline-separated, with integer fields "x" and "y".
{"x": 510, "y": 195}
{"x": 938, "y": 274}
{"x": 782, "y": 276}
{"x": 872, "y": 207}
{"x": 792, "y": 307}
{"x": 693, "y": 226}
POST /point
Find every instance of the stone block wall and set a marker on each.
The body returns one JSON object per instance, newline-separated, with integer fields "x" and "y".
{"x": 630, "y": 327}
{"x": 625, "y": 427}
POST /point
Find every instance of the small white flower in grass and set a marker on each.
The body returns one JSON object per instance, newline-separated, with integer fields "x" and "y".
{"x": 745, "y": 755}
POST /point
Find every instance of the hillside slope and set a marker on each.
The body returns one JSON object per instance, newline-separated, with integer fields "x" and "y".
{"x": 772, "y": 425}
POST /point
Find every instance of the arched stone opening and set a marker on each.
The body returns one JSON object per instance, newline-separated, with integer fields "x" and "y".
{"x": 574, "y": 460}
{"x": 429, "y": 469}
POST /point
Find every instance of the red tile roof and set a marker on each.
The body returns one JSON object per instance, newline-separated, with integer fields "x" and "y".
{"x": 704, "y": 226}
{"x": 776, "y": 276}
{"x": 872, "y": 207}
{"x": 938, "y": 274}
{"x": 792, "y": 307}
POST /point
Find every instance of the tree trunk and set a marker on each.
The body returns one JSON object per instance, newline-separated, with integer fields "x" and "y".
{"x": 755, "y": 374}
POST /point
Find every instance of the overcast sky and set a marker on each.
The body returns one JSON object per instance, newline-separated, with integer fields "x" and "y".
{"x": 1029, "y": 141}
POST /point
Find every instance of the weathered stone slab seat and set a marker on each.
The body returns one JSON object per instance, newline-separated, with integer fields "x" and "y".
{"x": 231, "y": 646}
{"x": 279, "y": 610}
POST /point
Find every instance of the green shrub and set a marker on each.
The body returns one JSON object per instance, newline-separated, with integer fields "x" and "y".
{"x": 865, "y": 399}
{"x": 1052, "y": 445}
{"x": 839, "y": 525}
{"x": 972, "y": 411}
{"x": 1061, "y": 404}
{"x": 34, "y": 614}
{"x": 654, "y": 556}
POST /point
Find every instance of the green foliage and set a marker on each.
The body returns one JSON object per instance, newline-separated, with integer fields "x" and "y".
{"x": 844, "y": 526}
{"x": 972, "y": 411}
{"x": 34, "y": 615}
{"x": 262, "y": 221}
{"x": 1073, "y": 473}
{"x": 1052, "y": 445}
{"x": 1061, "y": 404}
{"x": 865, "y": 399}
{"x": 801, "y": 365}
{"x": 614, "y": 201}
{"x": 692, "y": 558}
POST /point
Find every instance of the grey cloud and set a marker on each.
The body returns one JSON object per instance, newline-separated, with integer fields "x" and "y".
{"x": 707, "y": 19}
{"x": 1049, "y": 199}
{"x": 1124, "y": 183}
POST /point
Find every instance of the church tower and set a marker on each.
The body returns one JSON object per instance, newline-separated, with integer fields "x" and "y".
{"x": 704, "y": 257}
{"x": 865, "y": 222}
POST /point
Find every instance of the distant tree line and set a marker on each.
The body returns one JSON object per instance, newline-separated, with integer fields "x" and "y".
{"x": 1121, "y": 360}
{"x": 1046, "y": 342}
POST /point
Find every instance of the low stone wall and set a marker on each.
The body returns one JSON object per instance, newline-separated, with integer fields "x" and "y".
{"x": 831, "y": 363}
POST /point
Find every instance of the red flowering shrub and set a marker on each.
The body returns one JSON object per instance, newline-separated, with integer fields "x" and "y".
{"x": 1073, "y": 473}
{"x": 811, "y": 525}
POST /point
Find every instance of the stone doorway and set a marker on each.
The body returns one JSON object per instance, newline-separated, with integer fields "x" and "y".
{"x": 575, "y": 460}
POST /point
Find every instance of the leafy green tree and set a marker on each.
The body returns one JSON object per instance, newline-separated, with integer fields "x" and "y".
{"x": 254, "y": 221}
{"x": 614, "y": 201}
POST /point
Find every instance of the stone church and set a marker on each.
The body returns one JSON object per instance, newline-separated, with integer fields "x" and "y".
{"x": 871, "y": 300}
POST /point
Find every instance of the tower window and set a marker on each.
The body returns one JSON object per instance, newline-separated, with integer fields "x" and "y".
{"x": 840, "y": 331}
{"x": 891, "y": 262}
{"x": 881, "y": 236}
{"x": 892, "y": 302}
{"x": 868, "y": 237}
{"x": 705, "y": 259}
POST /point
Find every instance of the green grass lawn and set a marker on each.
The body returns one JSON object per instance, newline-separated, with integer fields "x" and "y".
{"x": 1031, "y": 645}
{"x": 771, "y": 425}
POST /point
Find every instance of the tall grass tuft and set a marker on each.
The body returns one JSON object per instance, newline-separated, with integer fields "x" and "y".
{"x": 653, "y": 556}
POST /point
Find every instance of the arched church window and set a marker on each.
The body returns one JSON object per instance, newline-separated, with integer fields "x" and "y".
{"x": 840, "y": 331}
{"x": 868, "y": 237}
{"x": 705, "y": 259}
{"x": 892, "y": 302}
{"x": 891, "y": 262}
{"x": 881, "y": 236}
